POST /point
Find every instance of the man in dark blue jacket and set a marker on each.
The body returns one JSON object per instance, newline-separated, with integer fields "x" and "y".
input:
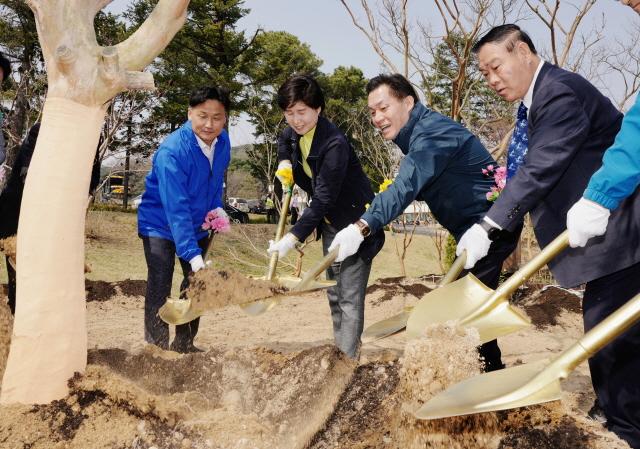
{"x": 443, "y": 166}
{"x": 185, "y": 182}
{"x": 570, "y": 125}
{"x": 316, "y": 156}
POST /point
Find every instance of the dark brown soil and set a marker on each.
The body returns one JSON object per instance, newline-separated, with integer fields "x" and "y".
{"x": 99, "y": 290}
{"x": 393, "y": 287}
{"x": 133, "y": 287}
{"x": 535, "y": 428}
{"x": 364, "y": 407}
{"x": 545, "y": 307}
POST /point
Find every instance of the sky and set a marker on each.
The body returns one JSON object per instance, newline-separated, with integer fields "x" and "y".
{"x": 326, "y": 26}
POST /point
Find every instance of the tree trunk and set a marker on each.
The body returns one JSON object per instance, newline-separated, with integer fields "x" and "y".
{"x": 49, "y": 342}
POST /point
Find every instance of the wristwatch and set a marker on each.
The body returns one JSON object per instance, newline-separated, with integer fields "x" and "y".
{"x": 365, "y": 230}
{"x": 492, "y": 232}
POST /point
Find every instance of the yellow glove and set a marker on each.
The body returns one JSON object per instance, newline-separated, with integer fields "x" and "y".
{"x": 285, "y": 174}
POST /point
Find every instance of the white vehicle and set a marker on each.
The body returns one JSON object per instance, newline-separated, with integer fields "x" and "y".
{"x": 240, "y": 204}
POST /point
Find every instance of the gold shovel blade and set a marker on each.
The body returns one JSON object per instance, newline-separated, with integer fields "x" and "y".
{"x": 498, "y": 390}
{"x": 386, "y": 327}
{"x": 177, "y": 311}
{"x": 455, "y": 301}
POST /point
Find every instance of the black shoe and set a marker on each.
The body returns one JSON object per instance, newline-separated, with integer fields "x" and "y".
{"x": 597, "y": 413}
{"x": 184, "y": 347}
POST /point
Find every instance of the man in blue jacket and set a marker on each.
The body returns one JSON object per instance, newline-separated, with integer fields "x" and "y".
{"x": 185, "y": 182}
{"x": 443, "y": 166}
{"x": 570, "y": 124}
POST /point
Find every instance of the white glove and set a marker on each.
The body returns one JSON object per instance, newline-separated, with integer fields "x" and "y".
{"x": 586, "y": 219}
{"x": 283, "y": 246}
{"x": 349, "y": 240}
{"x": 197, "y": 263}
{"x": 476, "y": 242}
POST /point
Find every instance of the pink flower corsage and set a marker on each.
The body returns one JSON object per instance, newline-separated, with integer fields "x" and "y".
{"x": 216, "y": 220}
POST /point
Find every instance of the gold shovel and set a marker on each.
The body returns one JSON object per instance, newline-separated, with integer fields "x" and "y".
{"x": 529, "y": 384}
{"x": 291, "y": 282}
{"x": 398, "y": 322}
{"x": 473, "y": 304}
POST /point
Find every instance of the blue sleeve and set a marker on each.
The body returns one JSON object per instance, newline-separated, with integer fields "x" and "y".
{"x": 417, "y": 171}
{"x": 172, "y": 186}
{"x": 619, "y": 175}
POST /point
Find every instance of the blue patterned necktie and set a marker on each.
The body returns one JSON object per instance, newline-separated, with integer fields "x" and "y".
{"x": 519, "y": 142}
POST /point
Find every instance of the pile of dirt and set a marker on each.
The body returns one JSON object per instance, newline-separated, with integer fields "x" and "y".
{"x": 233, "y": 399}
{"x": 545, "y": 306}
{"x": 99, "y": 290}
{"x": 386, "y": 289}
{"x": 210, "y": 289}
{"x": 104, "y": 291}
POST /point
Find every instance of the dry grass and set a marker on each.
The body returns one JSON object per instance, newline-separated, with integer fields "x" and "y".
{"x": 114, "y": 252}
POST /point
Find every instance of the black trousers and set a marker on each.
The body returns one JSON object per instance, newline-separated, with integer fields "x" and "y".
{"x": 615, "y": 369}
{"x": 11, "y": 275}
{"x": 160, "y": 256}
{"x": 488, "y": 271}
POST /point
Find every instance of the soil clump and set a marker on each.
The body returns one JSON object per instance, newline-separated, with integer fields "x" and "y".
{"x": 545, "y": 306}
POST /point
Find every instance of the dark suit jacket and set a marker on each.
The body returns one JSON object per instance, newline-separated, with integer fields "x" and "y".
{"x": 339, "y": 188}
{"x": 571, "y": 124}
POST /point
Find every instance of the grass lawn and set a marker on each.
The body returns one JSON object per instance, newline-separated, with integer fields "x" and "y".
{"x": 114, "y": 251}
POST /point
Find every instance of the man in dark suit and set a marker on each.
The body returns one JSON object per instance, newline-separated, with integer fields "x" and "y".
{"x": 570, "y": 124}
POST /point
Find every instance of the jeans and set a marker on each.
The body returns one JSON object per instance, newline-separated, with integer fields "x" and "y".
{"x": 346, "y": 298}
{"x": 614, "y": 369}
{"x": 488, "y": 271}
{"x": 160, "y": 256}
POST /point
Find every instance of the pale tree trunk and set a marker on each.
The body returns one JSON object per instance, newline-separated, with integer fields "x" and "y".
{"x": 49, "y": 342}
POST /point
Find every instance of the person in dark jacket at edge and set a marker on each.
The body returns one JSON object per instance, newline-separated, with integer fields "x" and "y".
{"x": 11, "y": 198}
{"x": 185, "y": 182}
{"x": 442, "y": 166}
{"x": 315, "y": 154}
{"x": 569, "y": 126}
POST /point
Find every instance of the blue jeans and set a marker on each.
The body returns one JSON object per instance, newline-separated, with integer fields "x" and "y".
{"x": 160, "y": 256}
{"x": 346, "y": 299}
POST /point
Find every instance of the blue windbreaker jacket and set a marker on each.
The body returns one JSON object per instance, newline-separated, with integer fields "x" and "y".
{"x": 181, "y": 188}
{"x": 619, "y": 175}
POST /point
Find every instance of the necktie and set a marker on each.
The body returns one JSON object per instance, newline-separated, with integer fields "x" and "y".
{"x": 519, "y": 142}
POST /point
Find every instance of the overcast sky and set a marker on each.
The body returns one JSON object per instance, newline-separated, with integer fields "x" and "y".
{"x": 327, "y": 28}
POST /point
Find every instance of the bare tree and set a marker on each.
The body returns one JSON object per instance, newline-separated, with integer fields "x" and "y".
{"x": 49, "y": 342}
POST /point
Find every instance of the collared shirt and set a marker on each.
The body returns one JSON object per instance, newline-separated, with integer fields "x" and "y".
{"x": 528, "y": 98}
{"x": 305, "y": 148}
{"x": 207, "y": 150}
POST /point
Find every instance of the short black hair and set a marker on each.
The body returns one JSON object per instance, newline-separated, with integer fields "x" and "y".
{"x": 5, "y": 65}
{"x": 503, "y": 32}
{"x": 302, "y": 88}
{"x": 203, "y": 94}
{"x": 399, "y": 86}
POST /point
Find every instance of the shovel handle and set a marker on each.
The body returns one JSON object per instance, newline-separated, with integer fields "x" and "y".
{"x": 519, "y": 277}
{"x": 455, "y": 270}
{"x": 273, "y": 262}
{"x": 315, "y": 271}
{"x": 601, "y": 335}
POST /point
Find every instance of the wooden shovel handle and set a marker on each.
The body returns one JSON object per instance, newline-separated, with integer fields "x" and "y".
{"x": 315, "y": 271}
{"x": 273, "y": 262}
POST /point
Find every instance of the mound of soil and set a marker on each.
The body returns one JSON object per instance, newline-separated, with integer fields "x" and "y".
{"x": 213, "y": 289}
{"x": 99, "y": 290}
{"x": 386, "y": 289}
{"x": 133, "y": 287}
{"x": 545, "y": 306}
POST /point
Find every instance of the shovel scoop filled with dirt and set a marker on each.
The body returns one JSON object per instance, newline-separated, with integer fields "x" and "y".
{"x": 214, "y": 289}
